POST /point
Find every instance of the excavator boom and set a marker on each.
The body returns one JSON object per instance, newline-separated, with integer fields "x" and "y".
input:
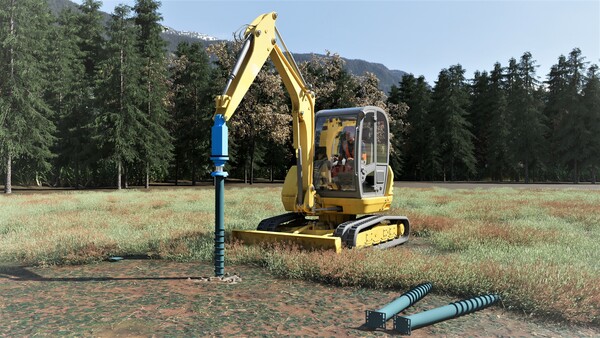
{"x": 260, "y": 43}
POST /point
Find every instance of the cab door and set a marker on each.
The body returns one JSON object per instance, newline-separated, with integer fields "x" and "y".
{"x": 372, "y": 164}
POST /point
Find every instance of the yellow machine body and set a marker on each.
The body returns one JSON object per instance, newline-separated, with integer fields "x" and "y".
{"x": 342, "y": 169}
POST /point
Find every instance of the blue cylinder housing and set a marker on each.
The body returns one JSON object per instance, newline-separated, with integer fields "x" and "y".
{"x": 219, "y": 141}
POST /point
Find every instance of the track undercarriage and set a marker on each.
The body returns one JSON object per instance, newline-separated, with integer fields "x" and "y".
{"x": 379, "y": 231}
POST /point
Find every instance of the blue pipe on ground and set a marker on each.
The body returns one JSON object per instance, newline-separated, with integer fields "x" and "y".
{"x": 377, "y": 319}
{"x": 405, "y": 325}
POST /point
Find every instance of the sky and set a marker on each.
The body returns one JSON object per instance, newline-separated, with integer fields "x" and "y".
{"x": 418, "y": 37}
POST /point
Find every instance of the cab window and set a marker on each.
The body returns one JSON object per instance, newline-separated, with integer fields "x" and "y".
{"x": 335, "y": 153}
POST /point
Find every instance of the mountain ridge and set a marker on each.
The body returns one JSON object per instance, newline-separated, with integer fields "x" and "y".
{"x": 387, "y": 77}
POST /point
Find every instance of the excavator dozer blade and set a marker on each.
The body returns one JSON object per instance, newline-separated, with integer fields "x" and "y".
{"x": 302, "y": 240}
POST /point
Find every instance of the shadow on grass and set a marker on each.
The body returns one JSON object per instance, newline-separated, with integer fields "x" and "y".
{"x": 21, "y": 273}
{"x": 17, "y": 273}
{"x": 179, "y": 245}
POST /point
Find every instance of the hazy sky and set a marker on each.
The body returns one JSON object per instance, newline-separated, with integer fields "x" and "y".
{"x": 419, "y": 37}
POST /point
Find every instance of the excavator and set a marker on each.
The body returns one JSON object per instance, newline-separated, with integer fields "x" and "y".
{"x": 336, "y": 194}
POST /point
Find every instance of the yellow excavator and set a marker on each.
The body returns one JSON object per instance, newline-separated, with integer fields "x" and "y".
{"x": 342, "y": 182}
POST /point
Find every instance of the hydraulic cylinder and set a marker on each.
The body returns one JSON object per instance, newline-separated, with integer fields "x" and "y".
{"x": 405, "y": 325}
{"x": 377, "y": 319}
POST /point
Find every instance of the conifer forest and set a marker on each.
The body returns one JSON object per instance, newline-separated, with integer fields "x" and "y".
{"x": 89, "y": 103}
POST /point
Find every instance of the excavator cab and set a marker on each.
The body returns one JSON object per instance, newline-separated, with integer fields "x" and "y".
{"x": 351, "y": 152}
{"x": 352, "y": 182}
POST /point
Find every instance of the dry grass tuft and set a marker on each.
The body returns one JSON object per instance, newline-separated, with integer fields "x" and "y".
{"x": 577, "y": 211}
{"x": 422, "y": 224}
{"x": 550, "y": 291}
{"x": 442, "y": 200}
{"x": 514, "y": 236}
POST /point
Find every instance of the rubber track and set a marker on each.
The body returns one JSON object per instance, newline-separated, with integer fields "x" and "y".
{"x": 351, "y": 233}
{"x": 272, "y": 223}
{"x": 341, "y": 229}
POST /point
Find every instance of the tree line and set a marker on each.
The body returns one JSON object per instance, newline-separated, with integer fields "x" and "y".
{"x": 504, "y": 124}
{"x": 84, "y": 103}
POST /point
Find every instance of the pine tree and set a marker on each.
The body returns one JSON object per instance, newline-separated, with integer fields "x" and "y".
{"x": 497, "y": 155}
{"x": 155, "y": 142}
{"x": 420, "y": 147}
{"x": 192, "y": 109}
{"x": 66, "y": 97}
{"x": 450, "y": 102}
{"x": 91, "y": 40}
{"x": 399, "y": 152}
{"x": 556, "y": 101}
{"x": 90, "y": 31}
{"x": 120, "y": 122}
{"x": 525, "y": 110}
{"x": 591, "y": 103}
{"x": 26, "y": 131}
{"x": 570, "y": 129}
{"x": 554, "y": 104}
{"x": 479, "y": 116}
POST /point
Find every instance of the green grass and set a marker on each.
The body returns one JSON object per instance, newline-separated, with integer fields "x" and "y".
{"x": 537, "y": 248}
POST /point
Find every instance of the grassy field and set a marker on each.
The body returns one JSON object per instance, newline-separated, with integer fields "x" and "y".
{"x": 537, "y": 248}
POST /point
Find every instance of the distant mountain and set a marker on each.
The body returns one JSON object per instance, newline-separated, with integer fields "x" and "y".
{"x": 173, "y": 37}
{"x": 190, "y": 35}
{"x": 386, "y": 77}
{"x": 58, "y": 5}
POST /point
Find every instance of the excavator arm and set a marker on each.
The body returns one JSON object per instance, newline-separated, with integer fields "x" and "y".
{"x": 261, "y": 42}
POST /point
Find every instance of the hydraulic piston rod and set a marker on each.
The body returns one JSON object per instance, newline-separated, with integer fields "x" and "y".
{"x": 405, "y": 325}
{"x": 377, "y": 319}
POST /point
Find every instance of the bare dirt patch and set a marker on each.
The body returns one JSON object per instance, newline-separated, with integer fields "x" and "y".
{"x": 156, "y": 297}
